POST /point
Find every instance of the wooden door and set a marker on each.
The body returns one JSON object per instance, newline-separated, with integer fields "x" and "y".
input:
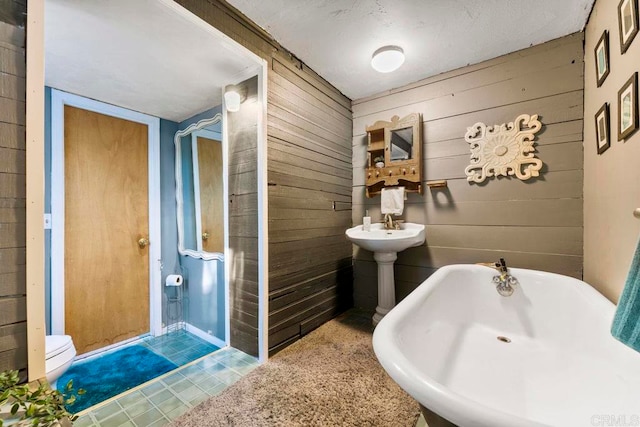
{"x": 211, "y": 195}
{"x": 106, "y": 213}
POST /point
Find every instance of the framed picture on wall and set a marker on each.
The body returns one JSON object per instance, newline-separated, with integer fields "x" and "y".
{"x": 628, "y": 108}
{"x": 602, "y": 129}
{"x": 627, "y": 22}
{"x": 602, "y": 58}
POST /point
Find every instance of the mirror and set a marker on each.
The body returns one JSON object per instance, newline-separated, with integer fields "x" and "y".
{"x": 401, "y": 143}
{"x": 200, "y": 188}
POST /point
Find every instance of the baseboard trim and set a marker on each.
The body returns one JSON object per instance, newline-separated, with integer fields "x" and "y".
{"x": 205, "y": 336}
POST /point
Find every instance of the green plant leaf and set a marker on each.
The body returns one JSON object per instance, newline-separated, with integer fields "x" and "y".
{"x": 81, "y": 391}
{"x": 43, "y": 406}
{"x": 31, "y": 410}
{"x": 9, "y": 379}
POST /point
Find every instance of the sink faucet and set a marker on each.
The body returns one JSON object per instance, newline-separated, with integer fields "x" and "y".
{"x": 390, "y": 224}
{"x": 505, "y": 282}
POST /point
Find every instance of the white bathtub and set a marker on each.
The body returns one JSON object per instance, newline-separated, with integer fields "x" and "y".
{"x": 561, "y": 368}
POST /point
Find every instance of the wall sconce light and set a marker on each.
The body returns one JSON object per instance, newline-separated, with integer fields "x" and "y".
{"x": 232, "y": 101}
{"x": 387, "y": 59}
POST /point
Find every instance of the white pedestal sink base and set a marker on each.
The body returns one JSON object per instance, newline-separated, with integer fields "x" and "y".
{"x": 385, "y": 244}
{"x": 386, "y": 284}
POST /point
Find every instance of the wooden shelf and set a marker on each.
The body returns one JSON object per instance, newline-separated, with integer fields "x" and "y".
{"x": 393, "y": 139}
{"x": 376, "y": 145}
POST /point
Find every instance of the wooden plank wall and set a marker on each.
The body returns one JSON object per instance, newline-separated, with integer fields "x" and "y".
{"x": 309, "y": 131}
{"x": 243, "y": 219}
{"x": 534, "y": 224}
{"x": 13, "y": 317}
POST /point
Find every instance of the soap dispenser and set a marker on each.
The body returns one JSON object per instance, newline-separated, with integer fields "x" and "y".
{"x": 366, "y": 221}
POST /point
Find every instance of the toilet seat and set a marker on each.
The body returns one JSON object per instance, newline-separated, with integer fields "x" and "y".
{"x": 56, "y": 344}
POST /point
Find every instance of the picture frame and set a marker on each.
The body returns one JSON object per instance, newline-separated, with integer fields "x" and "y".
{"x": 602, "y": 58}
{"x": 627, "y": 23}
{"x": 603, "y": 134}
{"x": 628, "y": 108}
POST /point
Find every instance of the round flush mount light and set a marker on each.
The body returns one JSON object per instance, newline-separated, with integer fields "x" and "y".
{"x": 387, "y": 59}
{"x": 232, "y": 101}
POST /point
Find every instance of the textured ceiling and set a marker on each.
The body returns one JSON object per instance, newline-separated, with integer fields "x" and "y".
{"x": 337, "y": 37}
{"x": 140, "y": 55}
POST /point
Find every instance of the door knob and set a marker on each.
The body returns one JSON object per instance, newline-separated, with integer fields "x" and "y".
{"x": 205, "y": 236}
{"x": 143, "y": 242}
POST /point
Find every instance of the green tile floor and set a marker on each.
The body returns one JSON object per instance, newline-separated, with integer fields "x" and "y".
{"x": 180, "y": 347}
{"x": 165, "y": 398}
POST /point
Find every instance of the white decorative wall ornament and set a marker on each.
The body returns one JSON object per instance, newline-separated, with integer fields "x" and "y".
{"x": 503, "y": 150}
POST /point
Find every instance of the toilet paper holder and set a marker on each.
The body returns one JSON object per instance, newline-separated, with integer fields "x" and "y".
{"x": 174, "y": 280}
{"x": 175, "y": 303}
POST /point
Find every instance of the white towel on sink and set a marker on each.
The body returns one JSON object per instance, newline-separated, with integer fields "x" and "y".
{"x": 392, "y": 200}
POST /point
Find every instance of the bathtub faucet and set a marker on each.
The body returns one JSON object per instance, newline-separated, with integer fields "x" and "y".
{"x": 505, "y": 282}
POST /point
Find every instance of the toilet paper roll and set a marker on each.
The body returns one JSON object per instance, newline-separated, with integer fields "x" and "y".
{"x": 173, "y": 280}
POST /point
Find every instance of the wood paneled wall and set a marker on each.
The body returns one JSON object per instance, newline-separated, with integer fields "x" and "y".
{"x": 309, "y": 168}
{"x": 243, "y": 219}
{"x": 534, "y": 224}
{"x": 13, "y": 318}
{"x": 309, "y": 127}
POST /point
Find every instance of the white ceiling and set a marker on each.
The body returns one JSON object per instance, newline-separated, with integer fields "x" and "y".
{"x": 336, "y": 38}
{"x": 141, "y": 55}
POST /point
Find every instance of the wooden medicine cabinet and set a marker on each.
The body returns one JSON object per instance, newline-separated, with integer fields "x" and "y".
{"x": 394, "y": 154}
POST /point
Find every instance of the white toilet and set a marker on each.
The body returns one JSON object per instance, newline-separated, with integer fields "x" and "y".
{"x": 60, "y": 352}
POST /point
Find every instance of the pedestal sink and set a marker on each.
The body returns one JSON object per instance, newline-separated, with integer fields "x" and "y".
{"x": 385, "y": 245}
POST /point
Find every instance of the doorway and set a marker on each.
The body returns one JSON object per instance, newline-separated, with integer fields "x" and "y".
{"x": 105, "y": 208}
{"x": 85, "y": 56}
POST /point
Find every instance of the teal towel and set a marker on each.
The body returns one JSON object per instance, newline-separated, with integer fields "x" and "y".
{"x": 626, "y": 323}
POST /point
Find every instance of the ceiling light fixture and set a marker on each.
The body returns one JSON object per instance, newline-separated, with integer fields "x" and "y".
{"x": 387, "y": 59}
{"x": 232, "y": 101}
